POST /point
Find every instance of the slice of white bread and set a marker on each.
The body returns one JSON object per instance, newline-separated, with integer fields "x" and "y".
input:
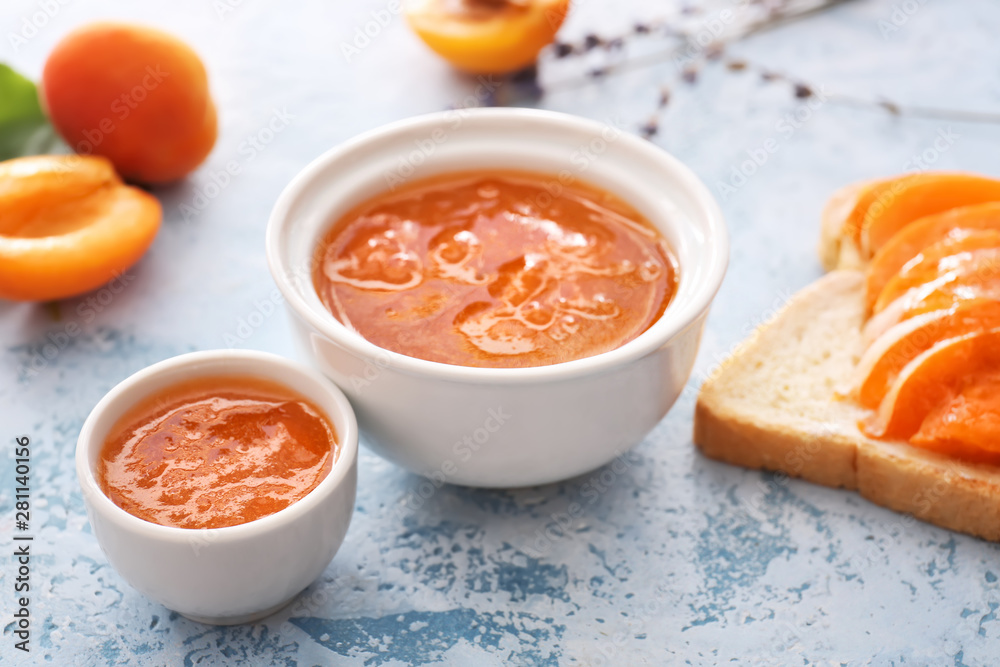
{"x": 773, "y": 405}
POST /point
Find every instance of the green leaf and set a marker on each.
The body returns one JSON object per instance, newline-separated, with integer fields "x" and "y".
{"x": 24, "y": 128}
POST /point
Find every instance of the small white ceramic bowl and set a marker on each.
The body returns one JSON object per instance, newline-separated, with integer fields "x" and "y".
{"x": 496, "y": 427}
{"x": 239, "y": 573}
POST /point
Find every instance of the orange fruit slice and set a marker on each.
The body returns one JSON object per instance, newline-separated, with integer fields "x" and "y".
{"x": 932, "y": 380}
{"x": 940, "y": 294}
{"x": 975, "y": 253}
{"x": 882, "y": 362}
{"x": 922, "y": 233}
{"x": 909, "y": 198}
{"x": 968, "y": 425}
{"x": 882, "y": 208}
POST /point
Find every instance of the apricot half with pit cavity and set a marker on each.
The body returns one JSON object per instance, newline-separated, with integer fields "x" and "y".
{"x": 68, "y": 225}
{"x": 487, "y": 36}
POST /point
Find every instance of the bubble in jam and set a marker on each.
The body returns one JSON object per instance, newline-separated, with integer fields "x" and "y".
{"x": 496, "y": 269}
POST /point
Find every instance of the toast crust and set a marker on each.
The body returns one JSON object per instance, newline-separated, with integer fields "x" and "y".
{"x": 772, "y": 405}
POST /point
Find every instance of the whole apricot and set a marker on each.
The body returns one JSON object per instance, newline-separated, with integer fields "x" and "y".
{"x": 135, "y": 95}
{"x": 487, "y": 36}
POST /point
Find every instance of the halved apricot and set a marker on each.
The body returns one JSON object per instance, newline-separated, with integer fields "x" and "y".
{"x": 882, "y": 362}
{"x": 68, "y": 225}
{"x": 931, "y": 380}
{"x": 922, "y": 233}
{"x": 487, "y": 36}
{"x": 891, "y": 206}
{"x": 958, "y": 254}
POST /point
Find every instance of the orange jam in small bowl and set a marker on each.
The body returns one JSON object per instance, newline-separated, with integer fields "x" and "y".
{"x": 220, "y": 483}
{"x": 216, "y": 452}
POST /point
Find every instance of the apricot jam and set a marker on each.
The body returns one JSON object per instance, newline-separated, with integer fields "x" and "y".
{"x": 496, "y": 269}
{"x": 215, "y": 452}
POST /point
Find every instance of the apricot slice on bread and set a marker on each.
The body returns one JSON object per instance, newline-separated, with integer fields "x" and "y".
{"x": 893, "y": 206}
{"x": 933, "y": 381}
{"x": 876, "y": 210}
{"x": 975, "y": 254}
{"x": 940, "y": 294}
{"x": 885, "y": 358}
{"x": 922, "y": 233}
{"x": 968, "y": 425}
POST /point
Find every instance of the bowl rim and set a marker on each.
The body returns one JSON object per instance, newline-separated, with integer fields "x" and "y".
{"x": 338, "y": 475}
{"x": 715, "y": 252}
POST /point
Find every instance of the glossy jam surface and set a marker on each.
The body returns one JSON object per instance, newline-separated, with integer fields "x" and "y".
{"x": 496, "y": 269}
{"x": 216, "y": 452}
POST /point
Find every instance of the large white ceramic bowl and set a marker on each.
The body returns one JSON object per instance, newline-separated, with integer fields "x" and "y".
{"x": 496, "y": 427}
{"x": 235, "y": 574}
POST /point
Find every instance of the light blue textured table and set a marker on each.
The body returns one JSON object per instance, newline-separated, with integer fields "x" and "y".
{"x": 676, "y": 559}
